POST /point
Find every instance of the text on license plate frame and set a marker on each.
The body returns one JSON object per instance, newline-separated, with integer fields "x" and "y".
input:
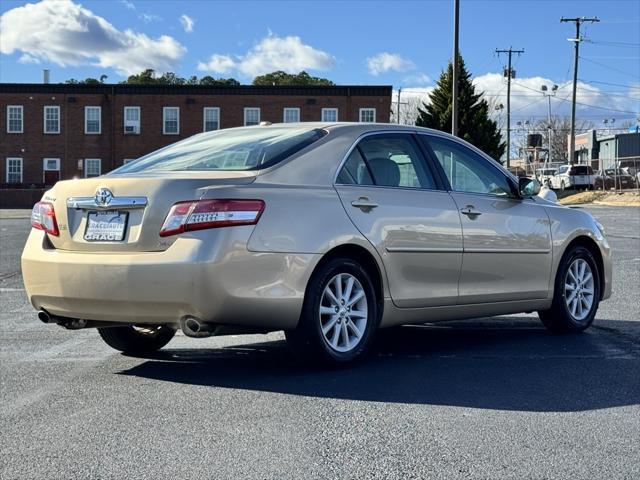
{"x": 117, "y": 235}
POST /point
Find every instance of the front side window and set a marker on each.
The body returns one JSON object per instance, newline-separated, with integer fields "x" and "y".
{"x": 367, "y": 115}
{"x": 291, "y": 115}
{"x": 14, "y": 170}
{"x": 251, "y": 116}
{"x": 329, "y": 114}
{"x": 392, "y": 160}
{"x": 171, "y": 120}
{"x": 52, "y": 119}
{"x": 467, "y": 171}
{"x": 234, "y": 149}
{"x": 211, "y": 119}
{"x": 92, "y": 120}
{"x": 131, "y": 120}
{"x": 92, "y": 167}
{"x": 14, "y": 119}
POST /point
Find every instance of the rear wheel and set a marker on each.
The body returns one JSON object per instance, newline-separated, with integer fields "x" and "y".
{"x": 136, "y": 340}
{"x": 576, "y": 293}
{"x": 339, "y": 315}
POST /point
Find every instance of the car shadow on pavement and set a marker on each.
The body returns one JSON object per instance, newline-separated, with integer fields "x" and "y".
{"x": 491, "y": 364}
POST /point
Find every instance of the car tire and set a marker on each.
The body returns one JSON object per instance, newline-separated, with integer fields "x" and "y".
{"x": 137, "y": 340}
{"x": 576, "y": 294}
{"x": 331, "y": 332}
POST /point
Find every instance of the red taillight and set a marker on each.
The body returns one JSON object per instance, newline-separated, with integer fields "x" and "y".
{"x": 43, "y": 217}
{"x": 201, "y": 214}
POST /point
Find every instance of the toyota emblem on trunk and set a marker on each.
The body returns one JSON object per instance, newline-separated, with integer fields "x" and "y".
{"x": 103, "y": 197}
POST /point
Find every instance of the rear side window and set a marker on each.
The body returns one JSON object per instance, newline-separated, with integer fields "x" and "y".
{"x": 389, "y": 160}
{"x": 581, "y": 170}
{"x": 233, "y": 149}
{"x": 355, "y": 171}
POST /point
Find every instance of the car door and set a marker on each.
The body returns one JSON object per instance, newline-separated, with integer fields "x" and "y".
{"x": 507, "y": 240}
{"x": 392, "y": 196}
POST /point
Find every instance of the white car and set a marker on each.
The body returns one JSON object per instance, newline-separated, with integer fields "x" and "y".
{"x": 573, "y": 176}
{"x": 543, "y": 175}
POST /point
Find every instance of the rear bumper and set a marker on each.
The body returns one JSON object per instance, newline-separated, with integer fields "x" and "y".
{"x": 210, "y": 276}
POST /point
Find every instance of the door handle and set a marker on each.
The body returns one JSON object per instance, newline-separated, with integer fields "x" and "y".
{"x": 364, "y": 204}
{"x": 470, "y": 211}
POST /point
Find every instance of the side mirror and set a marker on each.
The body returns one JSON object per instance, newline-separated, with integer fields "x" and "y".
{"x": 528, "y": 187}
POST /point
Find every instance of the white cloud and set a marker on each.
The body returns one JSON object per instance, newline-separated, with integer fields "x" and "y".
{"x": 417, "y": 79}
{"x": 218, "y": 64}
{"x": 128, "y": 5}
{"x": 385, "y": 62}
{"x": 272, "y": 53}
{"x": 65, "y": 33}
{"x": 149, "y": 17}
{"x": 187, "y": 23}
{"x": 527, "y": 100}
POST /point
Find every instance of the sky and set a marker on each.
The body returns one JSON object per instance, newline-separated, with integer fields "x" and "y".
{"x": 405, "y": 44}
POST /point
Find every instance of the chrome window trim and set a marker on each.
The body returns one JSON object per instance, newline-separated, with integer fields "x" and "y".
{"x": 116, "y": 203}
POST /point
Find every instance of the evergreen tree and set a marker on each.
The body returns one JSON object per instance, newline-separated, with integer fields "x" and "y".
{"x": 474, "y": 124}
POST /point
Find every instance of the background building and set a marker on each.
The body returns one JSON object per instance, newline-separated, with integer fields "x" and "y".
{"x": 50, "y": 132}
{"x": 606, "y": 150}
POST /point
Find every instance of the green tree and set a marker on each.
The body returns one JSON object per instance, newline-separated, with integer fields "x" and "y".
{"x": 86, "y": 81}
{"x": 209, "y": 80}
{"x": 284, "y": 78}
{"x": 474, "y": 124}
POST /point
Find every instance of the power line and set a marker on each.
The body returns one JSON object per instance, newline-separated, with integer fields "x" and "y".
{"x": 610, "y": 67}
{"x": 602, "y": 108}
{"x": 609, "y": 83}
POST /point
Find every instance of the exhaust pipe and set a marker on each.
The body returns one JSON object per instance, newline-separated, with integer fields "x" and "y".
{"x": 194, "y": 327}
{"x": 44, "y": 317}
{"x": 68, "y": 323}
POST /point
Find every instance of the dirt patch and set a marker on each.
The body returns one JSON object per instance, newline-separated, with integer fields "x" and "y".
{"x": 630, "y": 199}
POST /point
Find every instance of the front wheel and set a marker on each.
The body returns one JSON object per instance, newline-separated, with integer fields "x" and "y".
{"x": 576, "y": 293}
{"x": 339, "y": 316}
{"x": 137, "y": 340}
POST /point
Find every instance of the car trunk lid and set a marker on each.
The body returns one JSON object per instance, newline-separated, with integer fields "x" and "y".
{"x": 124, "y": 213}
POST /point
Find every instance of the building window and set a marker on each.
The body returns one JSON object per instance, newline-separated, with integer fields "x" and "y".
{"x": 171, "y": 120}
{"x": 14, "y": 119}
{"x": 329, "y": 114}
{"x": 52, "y": 119}
{"x": 367, "y": 115}
{"x": 210, "y": 119}
{"x": 92, "y": 167}
{"x": 291, "y": 115}
{"x": 92, "y": 120}
{"x": 50, "y": 170}
{"x": 14, "y": 170}
{"x": 251, "y": 116}
{"x": 131, "y": 120}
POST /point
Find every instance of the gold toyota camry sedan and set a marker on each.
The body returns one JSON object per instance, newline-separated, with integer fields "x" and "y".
{"x": 329, "y": 232}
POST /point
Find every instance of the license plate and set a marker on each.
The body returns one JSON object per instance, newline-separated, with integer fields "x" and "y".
{"x": 106, "y": 226}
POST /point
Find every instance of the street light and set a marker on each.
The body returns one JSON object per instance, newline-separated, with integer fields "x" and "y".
{"x": 546, "y": 93}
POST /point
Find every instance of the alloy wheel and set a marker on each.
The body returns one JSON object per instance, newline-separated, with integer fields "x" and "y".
{"x": 579, "y": 289}
{"x": 343, "y": 312}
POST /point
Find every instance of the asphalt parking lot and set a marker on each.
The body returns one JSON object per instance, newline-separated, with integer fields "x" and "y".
{"x": 491, "y": 398}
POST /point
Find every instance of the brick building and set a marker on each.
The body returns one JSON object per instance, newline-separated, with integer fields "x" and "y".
{"x": 58, "y": 131}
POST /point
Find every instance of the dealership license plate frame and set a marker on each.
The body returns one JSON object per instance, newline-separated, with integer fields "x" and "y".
{"x": 118, "y": 235}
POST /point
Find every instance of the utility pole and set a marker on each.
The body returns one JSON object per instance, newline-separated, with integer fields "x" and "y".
{"x": 454, "y": 89}
{"x": 399, "y": 92}
{"x": 576, "y": 41}
{"x": 509, "y": 74}
{"x": 546, "y": 93}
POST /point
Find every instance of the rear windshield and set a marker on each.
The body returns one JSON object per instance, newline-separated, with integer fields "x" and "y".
{"x": 234, "y": 149}
{"x": 581, "y": 170}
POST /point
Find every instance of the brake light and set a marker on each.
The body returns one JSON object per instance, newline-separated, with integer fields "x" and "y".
{"x": 43, "y": 217}
{"x": 202, "y": 214}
